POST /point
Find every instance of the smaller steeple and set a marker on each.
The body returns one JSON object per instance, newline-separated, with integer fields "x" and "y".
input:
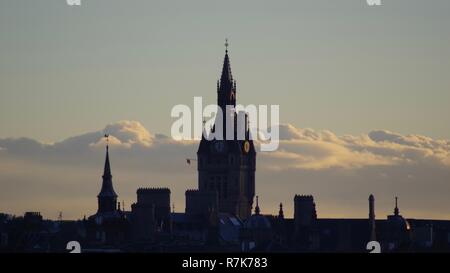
{"x": 107, "y": 198}
{"x": 107, "y": 168}
{"x": 281, "y": 213}
{"x": 396, "y": 210}
{"x": 107, "y": 186}
{"x": 257, "y": 211}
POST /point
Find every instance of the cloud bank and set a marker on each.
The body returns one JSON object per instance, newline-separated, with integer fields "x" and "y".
{"x": 309, "y": 149}
{"x": 339, "y": 170}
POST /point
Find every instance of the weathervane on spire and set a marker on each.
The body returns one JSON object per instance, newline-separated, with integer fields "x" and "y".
{"x": 107, "y": 140}
{"x": 226, "y": 45}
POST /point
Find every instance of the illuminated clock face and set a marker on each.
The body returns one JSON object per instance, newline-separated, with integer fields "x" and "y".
{"x": 219, "y": 146}
{"x": 246, "y": 147}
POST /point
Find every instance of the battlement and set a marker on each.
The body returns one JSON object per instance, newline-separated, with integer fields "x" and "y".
{"x": 160, "y": 197}
{"x": 299, "y": 197}
{"x": 32, "y": 217}
{"x": 32, "y": 214}
{"x": 304, "y": 211}
{"x": 153, "y": 190}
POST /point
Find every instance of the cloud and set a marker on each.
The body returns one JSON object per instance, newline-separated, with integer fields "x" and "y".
{"x": 299, "y": 148}
{"x": 310, "y": 149}
{"x": 339, "y": 170}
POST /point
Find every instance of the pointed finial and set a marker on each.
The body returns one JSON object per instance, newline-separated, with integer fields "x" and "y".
{"x": 226, "y": 45}
{"x": 281, "y": 213}
{"x": 173, "y": 207}
{"x": 107, "y": 141}
{"x": 257, "y": 206}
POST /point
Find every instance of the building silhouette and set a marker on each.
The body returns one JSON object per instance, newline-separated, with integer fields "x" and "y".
{"x": 226, "y": 165}
{"x": 107, "y": 198}
{"x": 218, "y": 215}
{"x": 109, "y": 226}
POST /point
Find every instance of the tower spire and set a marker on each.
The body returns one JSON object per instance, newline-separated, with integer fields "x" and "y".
{"x": 107, "y": 168}
{"x": 226, "y": 77}
{"x": 107, "y": 198}
{"x": 240, "y": 201}
{"x": 226, "y": 91}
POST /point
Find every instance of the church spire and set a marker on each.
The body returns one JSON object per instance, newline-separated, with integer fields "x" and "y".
{"x": 107, "y": 198}
{"x": 107, "y": 168}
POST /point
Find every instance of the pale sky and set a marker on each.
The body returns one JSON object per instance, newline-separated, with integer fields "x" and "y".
{"x": 337, "y": 65}
{"x": 363, "y": 78}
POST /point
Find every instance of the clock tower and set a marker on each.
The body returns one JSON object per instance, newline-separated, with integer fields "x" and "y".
{"x": 227, "y": 166}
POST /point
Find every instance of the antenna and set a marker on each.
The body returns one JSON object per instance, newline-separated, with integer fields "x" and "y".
{"x": 226, "y": 44}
